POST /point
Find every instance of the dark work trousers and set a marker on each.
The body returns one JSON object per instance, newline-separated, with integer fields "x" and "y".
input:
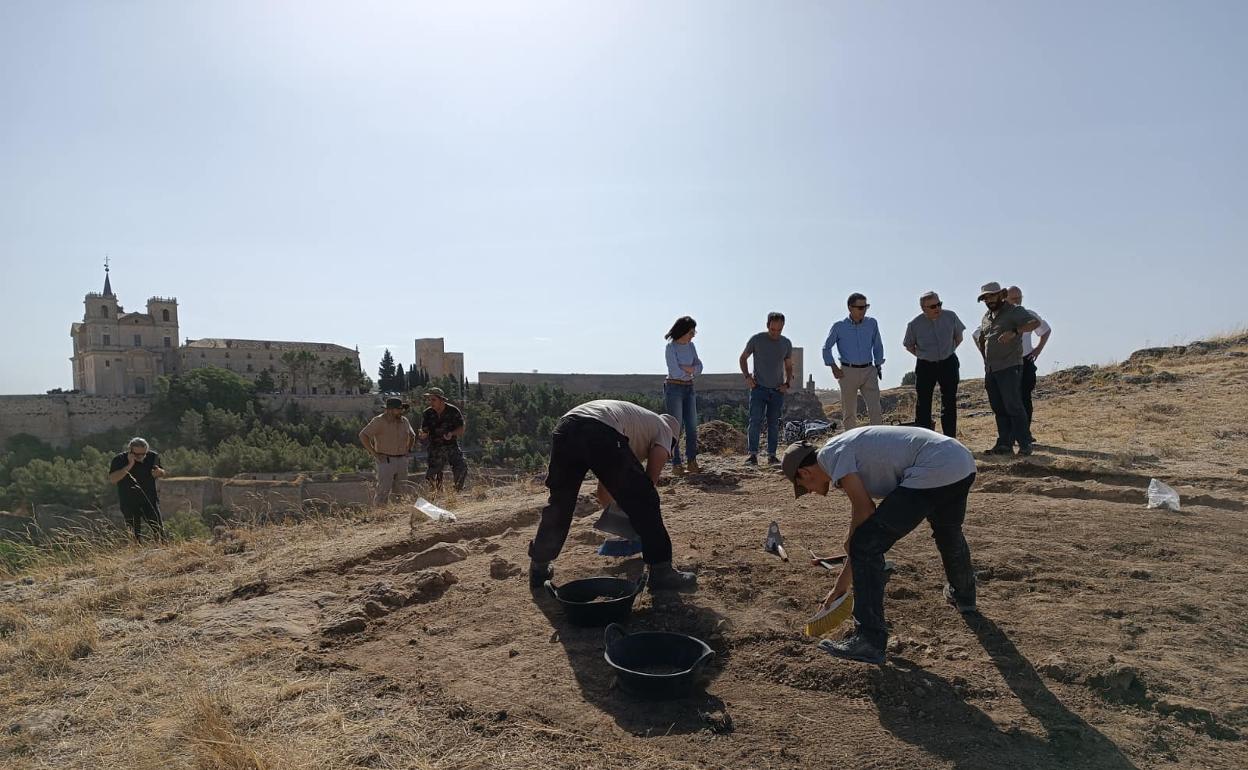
{"x": 441, "y": 456}
{"x": 1027, "y": 385}
{"x": 897, "y": 515}
{"x": 583, "y": 444}
{"x": 136, "y": 513}
{"x": 1005, "y": 394}
{"x": 929, "y": 374}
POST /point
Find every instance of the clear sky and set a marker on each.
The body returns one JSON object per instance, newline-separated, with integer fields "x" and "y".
{"x": 548, "y": 185}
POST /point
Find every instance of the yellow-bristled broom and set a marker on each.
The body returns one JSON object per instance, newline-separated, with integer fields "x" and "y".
{"x": 828, "y": 620}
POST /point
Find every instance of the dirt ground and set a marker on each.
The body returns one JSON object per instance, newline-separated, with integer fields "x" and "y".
{"x": 1110, "y": 635}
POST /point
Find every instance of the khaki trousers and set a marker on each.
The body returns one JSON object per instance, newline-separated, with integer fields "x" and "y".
{"x": 391, "y": 475}
{"x": 862, "y": 379}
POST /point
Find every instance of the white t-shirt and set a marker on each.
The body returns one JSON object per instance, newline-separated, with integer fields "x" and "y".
{"x": 642, "y": 427}
{"x": 1028, "y": 345}
{"x": 1039, "y": 331}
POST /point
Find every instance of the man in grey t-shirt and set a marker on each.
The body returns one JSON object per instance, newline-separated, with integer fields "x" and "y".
{"x": 772, "y": 377}
{"x": 920, "y": 474}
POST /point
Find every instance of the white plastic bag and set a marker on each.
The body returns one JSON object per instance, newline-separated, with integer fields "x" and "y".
{"x": 432, "y": 511}
{"x": 1161, "y": 495}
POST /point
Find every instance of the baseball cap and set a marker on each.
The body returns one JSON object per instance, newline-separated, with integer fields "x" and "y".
{"x": 792, "y": 460}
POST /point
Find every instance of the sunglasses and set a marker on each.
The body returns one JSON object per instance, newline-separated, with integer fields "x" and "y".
{"x": 933, "y": 306}
{"x": 859, "y": 307}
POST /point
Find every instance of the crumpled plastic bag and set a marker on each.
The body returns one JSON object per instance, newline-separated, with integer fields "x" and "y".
{"x": 432, "y": 511}
{"x": 1162, "y": 495}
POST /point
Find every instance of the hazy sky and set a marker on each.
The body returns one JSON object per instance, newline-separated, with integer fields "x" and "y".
{"x": 548, "y": 185}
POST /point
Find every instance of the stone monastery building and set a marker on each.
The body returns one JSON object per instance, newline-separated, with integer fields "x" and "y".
{"x": 120, "y": 353}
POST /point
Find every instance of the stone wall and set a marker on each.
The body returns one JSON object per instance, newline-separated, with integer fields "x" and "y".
{"x": 346, "y": 406}
{"x": 65, "y": 417}
{"x": 188, "y": 493}
{"x": 61, "y": 418}
{"x": 648, "y": 384}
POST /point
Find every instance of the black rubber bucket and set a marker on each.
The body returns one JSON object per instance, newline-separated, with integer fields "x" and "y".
{"x": 597, "y": 601}
{"x": 656, "y": 664}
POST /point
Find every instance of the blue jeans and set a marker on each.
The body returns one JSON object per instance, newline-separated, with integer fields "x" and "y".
{"x": 898, "y": 514}
{"x": 683, "y": 405}
{"x": 769, "y": 401}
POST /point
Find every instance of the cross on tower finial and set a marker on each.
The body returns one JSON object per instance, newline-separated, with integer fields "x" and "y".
{"x": 108, "y": 286}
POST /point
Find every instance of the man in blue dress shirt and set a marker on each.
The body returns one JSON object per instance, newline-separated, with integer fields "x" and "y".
{"x": 857, "y": 339}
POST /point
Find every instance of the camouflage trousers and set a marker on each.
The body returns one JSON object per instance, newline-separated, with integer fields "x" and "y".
{"x": 439, "y": 458}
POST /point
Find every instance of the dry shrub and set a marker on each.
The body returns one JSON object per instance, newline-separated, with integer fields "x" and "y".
{"x": 51, "y": 651}
{"x": 181, "y": 558}
{"x": 12, "y": 620}
{"x": 215, "y": 742}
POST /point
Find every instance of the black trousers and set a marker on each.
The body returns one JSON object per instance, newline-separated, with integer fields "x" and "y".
{"x": 1005, "y": 395}
{"x": 1028, "y": 384}
{"x": 582, "y": 444}
{"x": 898, "y": 514}
{"x": 136, "y": 513}
{"x": 929, "y": 374}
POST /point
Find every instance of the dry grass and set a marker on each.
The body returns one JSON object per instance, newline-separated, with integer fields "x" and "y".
{"x": 215, "y": 742}
{"x": 52, "y": 650}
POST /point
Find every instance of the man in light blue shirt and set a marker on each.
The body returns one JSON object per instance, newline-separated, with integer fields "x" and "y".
{"x": 858, "y": 340}
{"x": 917, "y": 475}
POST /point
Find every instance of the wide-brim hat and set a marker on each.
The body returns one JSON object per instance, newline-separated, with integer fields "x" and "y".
{"x": 792, "y": 460}
{"x": 394, "y": 403}
{"x": 437, "y": 392}
{"x": 989, "y": 288}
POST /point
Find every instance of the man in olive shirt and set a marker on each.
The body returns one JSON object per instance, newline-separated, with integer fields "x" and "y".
{"x": 389, "y": 438}
{"x": 1001, "y": 345}
{"x": 135, "y": 472}
{"x": 442, "y": 424}
{"x": 933, "y": 337}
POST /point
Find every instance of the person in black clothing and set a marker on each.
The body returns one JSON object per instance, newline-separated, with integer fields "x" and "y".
{"x": 135, "y": 472}
{"x": 442, "y": 424}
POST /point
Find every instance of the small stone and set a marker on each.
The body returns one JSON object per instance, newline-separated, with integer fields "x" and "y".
{"x": 42, "y": 724}
{"x": 348, "y": 624}
{"x": 501, "y": 569}
{"x": 166, "y": 617}
{"x": 27, "y": 581}
{"x": 513, "y": 652}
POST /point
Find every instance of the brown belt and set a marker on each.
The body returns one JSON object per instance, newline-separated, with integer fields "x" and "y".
{"x": 670, "y": 381}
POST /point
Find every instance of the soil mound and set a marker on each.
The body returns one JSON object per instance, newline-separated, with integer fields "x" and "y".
{"x": 719, "y": 437}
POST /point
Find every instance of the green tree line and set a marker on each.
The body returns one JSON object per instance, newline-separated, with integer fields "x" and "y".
{"x": 210, "y": 422}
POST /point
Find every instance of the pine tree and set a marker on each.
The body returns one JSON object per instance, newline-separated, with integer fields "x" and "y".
{"x": 400, "y": 378}
{"x": 385, "y": 373}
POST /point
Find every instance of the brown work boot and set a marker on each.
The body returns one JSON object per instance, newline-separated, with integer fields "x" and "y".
{"x": 678, "y": 470}
{"x": 693, "y": 467}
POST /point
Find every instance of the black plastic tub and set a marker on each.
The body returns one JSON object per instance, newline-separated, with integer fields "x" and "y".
{"x": 656, "y": 664}
{"x": 597, "y": 601}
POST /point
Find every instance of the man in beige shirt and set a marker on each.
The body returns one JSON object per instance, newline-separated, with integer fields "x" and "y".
{"x": 389, "y": 438}
{"x": 613, "y": 439}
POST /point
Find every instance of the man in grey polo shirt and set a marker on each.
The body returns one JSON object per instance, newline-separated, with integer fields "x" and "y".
{"x": 771, "y": 379}
{"x": 933, "y": 337}
{"x": 1001, "y": 345}
{"x": 920, "y": 475}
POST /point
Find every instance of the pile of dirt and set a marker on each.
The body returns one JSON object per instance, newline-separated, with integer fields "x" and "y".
{"x": 719, "y": 437}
